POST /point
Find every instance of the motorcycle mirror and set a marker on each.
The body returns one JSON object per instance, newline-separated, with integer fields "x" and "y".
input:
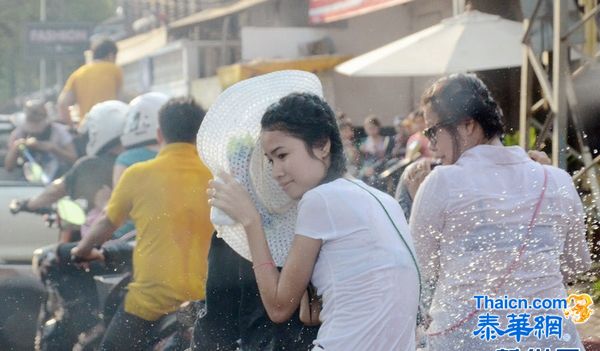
{"x": 34, "y": 173}
{"x": 70, "y": 211}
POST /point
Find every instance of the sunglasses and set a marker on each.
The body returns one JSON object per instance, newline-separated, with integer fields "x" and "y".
{"x": 431, "y": 132}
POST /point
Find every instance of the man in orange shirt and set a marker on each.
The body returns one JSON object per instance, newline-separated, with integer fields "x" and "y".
{"x": 94, "y": 82}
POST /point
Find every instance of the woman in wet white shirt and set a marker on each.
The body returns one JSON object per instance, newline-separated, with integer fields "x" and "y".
{"x": 351, "y": 239}
{"x": 490, "y": 222}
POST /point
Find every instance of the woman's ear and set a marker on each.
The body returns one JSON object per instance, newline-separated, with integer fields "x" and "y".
{"x": 471, "y": 126}
{"x": 324, "y": 150}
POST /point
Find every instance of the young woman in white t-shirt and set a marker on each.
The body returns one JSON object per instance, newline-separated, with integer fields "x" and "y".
{"x": 492, "y": 222}
{"x": 352, "y": 241}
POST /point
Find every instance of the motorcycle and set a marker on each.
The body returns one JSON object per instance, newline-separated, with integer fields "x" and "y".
{"x": 394, "y": 168}
{"x": 81, "y": 300}
{"x": 83, "y": 297}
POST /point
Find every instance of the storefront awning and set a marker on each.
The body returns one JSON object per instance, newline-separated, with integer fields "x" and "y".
{"x": 140, "y": 46}
{"x": 214, "y": 13}
{"x": 229, "y": 75}
{"x": 325, "y": 11}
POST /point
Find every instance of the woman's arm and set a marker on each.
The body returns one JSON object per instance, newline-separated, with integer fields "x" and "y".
{"x": 426, "y": 226}
{"x": 280, "y": 292}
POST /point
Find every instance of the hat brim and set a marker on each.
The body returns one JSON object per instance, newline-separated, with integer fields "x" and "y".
{"x": 228, "y": 140}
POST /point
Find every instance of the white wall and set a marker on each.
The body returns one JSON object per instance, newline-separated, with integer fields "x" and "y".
{"x": 278, "y": 42}
{"x": 385, "y": 97}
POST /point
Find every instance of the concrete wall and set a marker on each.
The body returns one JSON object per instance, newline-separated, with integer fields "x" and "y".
{"x": 385, "y": 97}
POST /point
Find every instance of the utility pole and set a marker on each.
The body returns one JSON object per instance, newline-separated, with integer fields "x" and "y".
{"x": 42, "y": 59}
{"x": 559, "y": 77}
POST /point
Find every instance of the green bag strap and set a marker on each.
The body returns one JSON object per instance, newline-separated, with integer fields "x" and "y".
{"x": 412, "y": 255}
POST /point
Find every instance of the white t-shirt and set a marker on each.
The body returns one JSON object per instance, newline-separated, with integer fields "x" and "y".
{"x": 364, "y": 271}
{"x": 469, "y": 221}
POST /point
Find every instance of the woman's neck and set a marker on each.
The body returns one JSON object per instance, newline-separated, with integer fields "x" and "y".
{"x": 495, "y": 141}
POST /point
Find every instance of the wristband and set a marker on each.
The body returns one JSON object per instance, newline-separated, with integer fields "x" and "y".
{"x": 268, "y": 263}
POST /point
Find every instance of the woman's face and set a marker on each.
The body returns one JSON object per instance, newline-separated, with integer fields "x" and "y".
{"x": 371, "y": 129}
{"x": 346, "y": 133}
{"x": 441, "y": 142}
{"x": 294, "y": 168}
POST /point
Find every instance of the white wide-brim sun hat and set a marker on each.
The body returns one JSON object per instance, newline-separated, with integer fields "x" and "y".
{"x": 228, "y": 140}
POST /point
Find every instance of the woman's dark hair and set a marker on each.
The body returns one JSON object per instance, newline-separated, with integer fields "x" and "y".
{"x": 309, "y": 118}
{"x": 372, "y": 119}
{"x": 460, "y": 96}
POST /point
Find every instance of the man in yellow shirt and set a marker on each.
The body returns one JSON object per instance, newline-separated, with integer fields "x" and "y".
{"x": 94, "y": 82}
{"x": 166, "y": 199}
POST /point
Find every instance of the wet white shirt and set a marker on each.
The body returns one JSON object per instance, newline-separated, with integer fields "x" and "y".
{"x": 468, "y": 222}
{"x": 364, "y": 272}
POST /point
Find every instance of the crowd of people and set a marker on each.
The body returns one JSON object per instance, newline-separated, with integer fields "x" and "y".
{"x": 370, "y": 156}
{"x": 365, "y": 269}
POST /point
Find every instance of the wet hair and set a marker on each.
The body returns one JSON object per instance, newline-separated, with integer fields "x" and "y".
{"x": 179, "y": 120}
{"x": 309, "y": 118}
{"x": 417, "y": 114}
{"x": 103, "y": 49}
{"x": 459, "y": 96}
{"x": 372, "y": 119}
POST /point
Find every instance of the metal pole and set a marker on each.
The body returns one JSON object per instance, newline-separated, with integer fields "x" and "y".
{"x": 591, "y": 29}
{"x": 525, "y": 97}
{"x": 224, "y": 36}
{"x": 585, "y": 150}
{"x": 590, "y": 11}
{"x": 42, "y": 60}
{"x": 559, "y": 76}
{"x": 59, "y": 72}
{"x": 458, "y": 7}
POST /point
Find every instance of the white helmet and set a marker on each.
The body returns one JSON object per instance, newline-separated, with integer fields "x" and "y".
{"x": 142, "y": 119}
{"x": 104, "y": 123}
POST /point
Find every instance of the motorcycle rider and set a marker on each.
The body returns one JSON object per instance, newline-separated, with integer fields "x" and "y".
{"x": 166, "y": 199}
{"x": 140, "y": 135}
{"x": 50, "y": 143}
{"x": 89, "y": 179}
{"x": 139, "y": 140}
{"x": 140, "y": 143}
{"x": 90, "y": 175}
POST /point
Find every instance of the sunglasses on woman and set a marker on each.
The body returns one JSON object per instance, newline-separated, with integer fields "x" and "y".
{"x": 431, "y": 132}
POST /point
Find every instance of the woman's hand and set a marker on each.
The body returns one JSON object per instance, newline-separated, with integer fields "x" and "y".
{"x": 231, "y": 197}
{"x": 414, "y": 175}
{"x": 310, "y": 310}
{"x": 539, "y": 157}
